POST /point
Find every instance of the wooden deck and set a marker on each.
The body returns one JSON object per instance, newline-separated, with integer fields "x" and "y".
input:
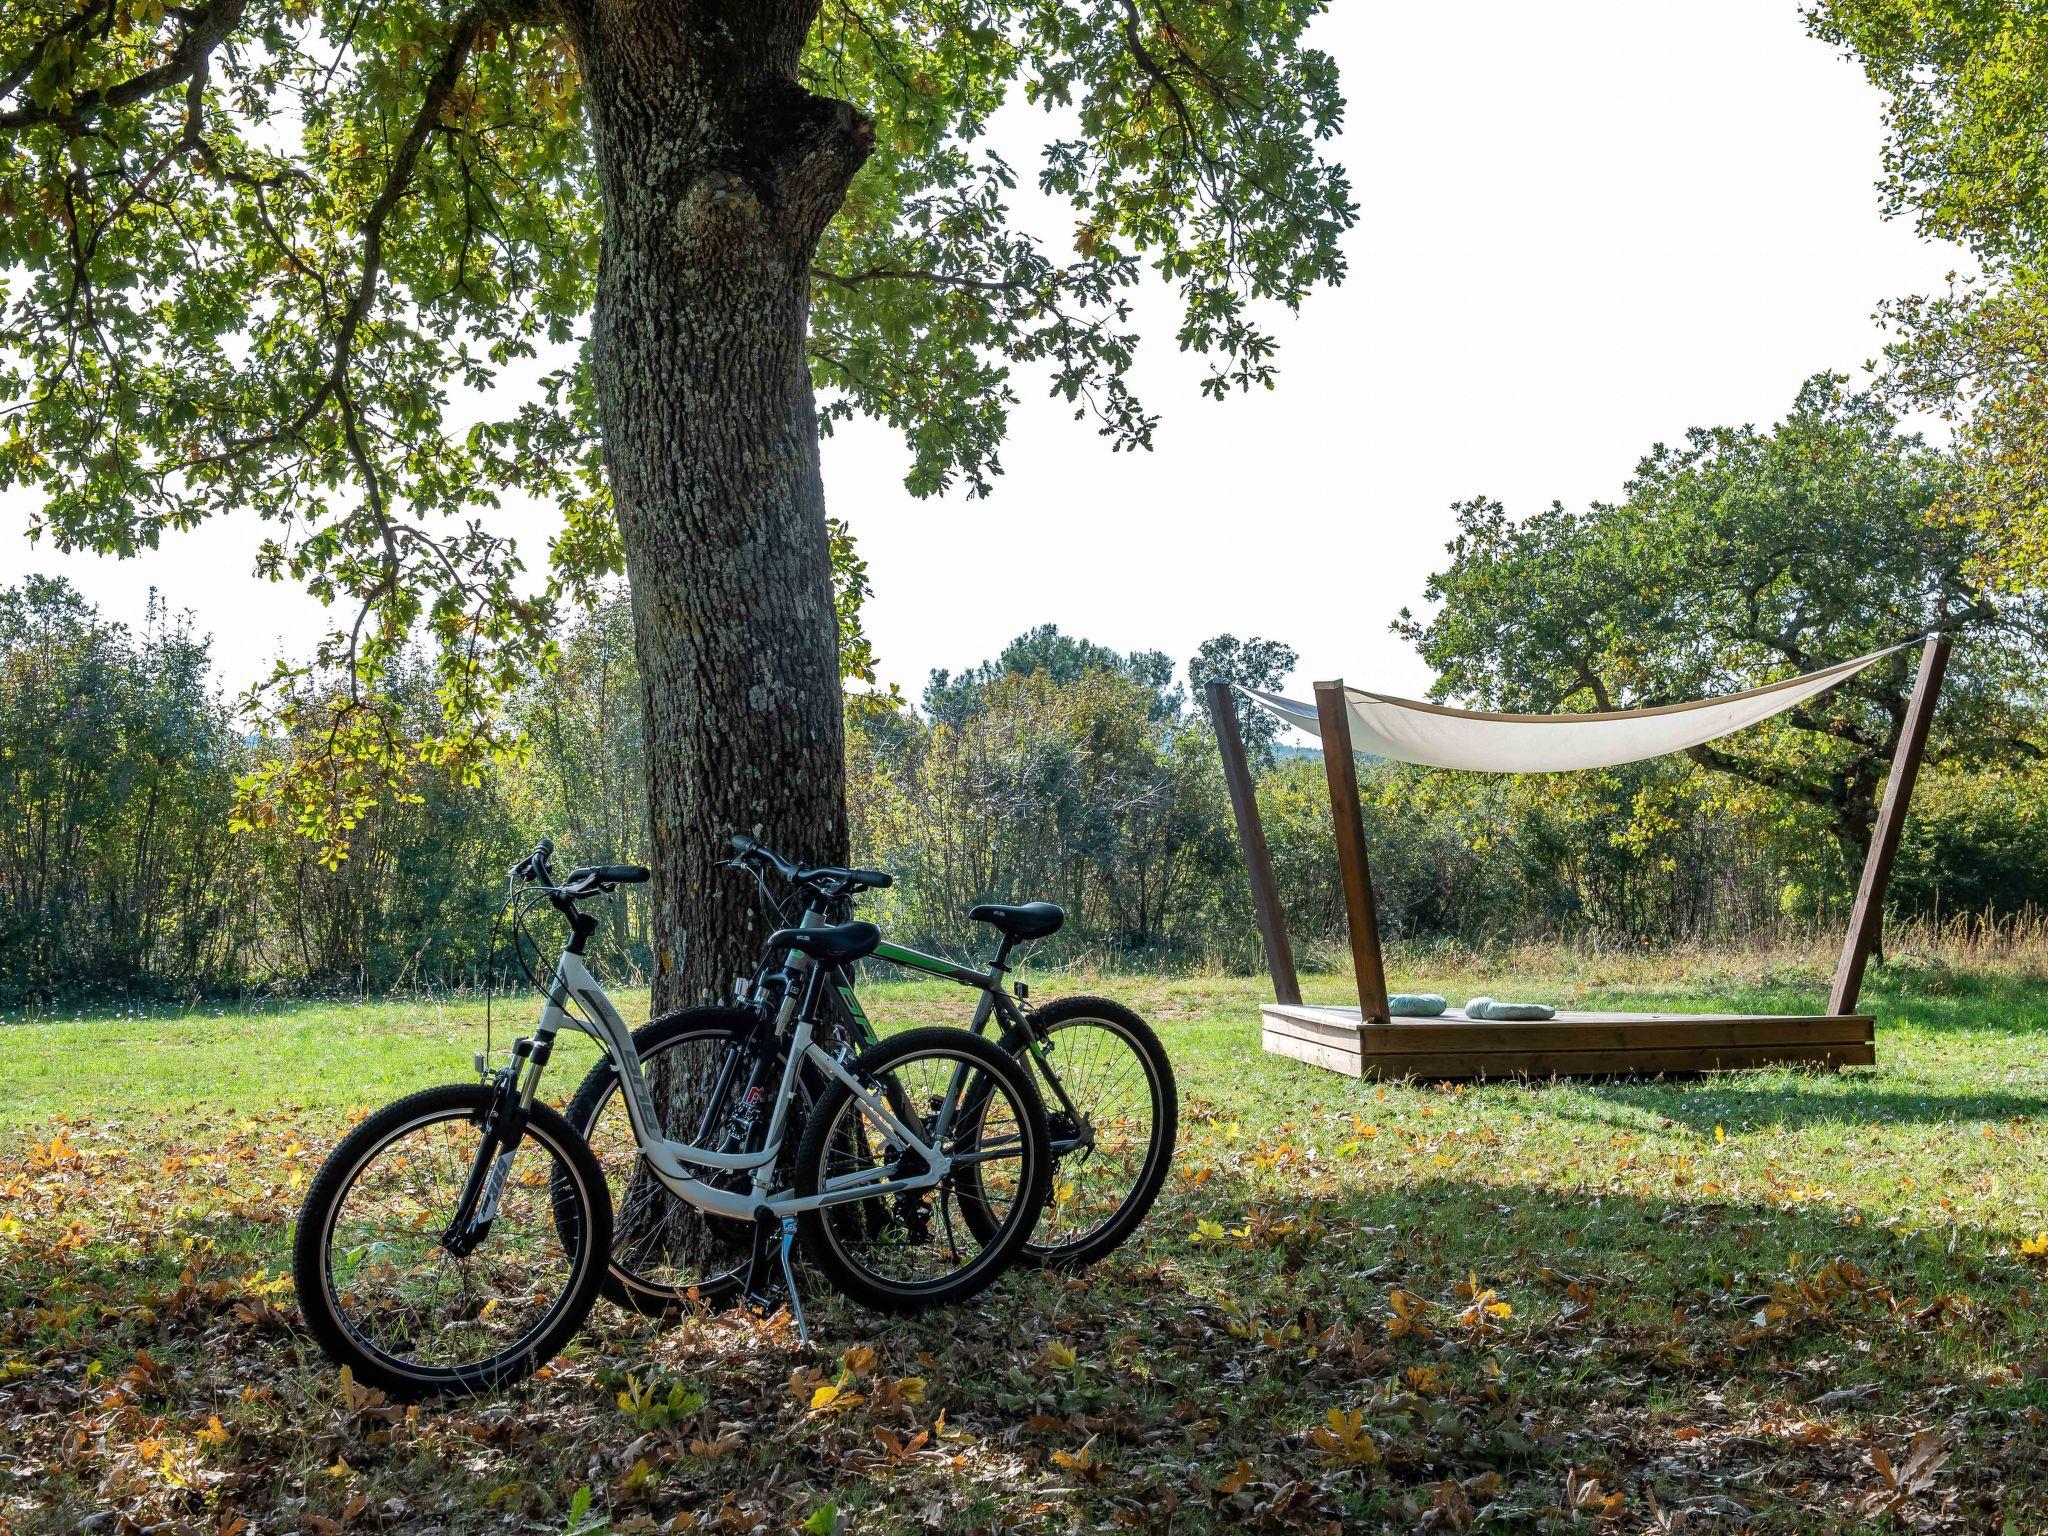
{"x": 1572, "y": 1044}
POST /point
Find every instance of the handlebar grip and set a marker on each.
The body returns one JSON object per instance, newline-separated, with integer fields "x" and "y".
{"x": 622, "y": 874}
{"x": 535, "y": 865}
{"x": 741, "y": 843}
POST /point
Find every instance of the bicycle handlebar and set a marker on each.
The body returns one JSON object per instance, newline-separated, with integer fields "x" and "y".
{"x": 829, "y": 880}
{"x": 749, "y": 850}
{"x": 588, "y": 880}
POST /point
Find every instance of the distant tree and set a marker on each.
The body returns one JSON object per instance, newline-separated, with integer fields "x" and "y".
{"x": 585, "y": 758}
{"x": 1736, "y": 558}
{"x": 117, "y": 768}
{"x": 1966, "y": 88}
{"x": 1253, "y": 663}
{"x": 413, "y": 902}
{"x": 253, "y": 249}
{"x": 1044, "y": 651}
{"x": 1067, "y": 787}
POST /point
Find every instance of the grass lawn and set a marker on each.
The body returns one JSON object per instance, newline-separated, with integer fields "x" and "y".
{"x": 1774, "y": 1301}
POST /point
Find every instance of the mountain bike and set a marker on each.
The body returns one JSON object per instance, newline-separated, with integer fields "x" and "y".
{"x": 456, "y": 1239}
{"x": 1112, "y": 1103}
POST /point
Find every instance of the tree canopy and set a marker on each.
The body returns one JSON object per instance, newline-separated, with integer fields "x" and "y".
{"x": 1966, "y": 92}
{"x": 328, "y": 262}
{"x": 1734, "y": 558}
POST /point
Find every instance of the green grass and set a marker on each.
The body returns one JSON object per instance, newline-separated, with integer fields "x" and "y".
{"x": 1729, "y": 1301}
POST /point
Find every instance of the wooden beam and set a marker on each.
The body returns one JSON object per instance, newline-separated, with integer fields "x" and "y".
{"x": 1251, "y": 837}
{"x": 1866, "y": 918}
{"x": 1334, "y": 716}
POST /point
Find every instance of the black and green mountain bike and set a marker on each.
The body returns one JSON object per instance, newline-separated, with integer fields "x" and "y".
{"x": 1111, "y": 1102}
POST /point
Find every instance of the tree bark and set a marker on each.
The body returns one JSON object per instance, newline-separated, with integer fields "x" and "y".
{"x": 718, "y": 173}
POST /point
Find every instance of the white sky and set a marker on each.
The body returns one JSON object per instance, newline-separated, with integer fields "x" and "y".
{"x": 1582, "y": 229}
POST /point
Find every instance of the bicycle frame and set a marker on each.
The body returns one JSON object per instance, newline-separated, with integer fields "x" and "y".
{"x": 672, "y": 1161}
{"x": 994, "y": 1002}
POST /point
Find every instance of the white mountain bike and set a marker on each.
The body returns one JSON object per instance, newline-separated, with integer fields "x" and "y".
{"x": 455, "y": 1239}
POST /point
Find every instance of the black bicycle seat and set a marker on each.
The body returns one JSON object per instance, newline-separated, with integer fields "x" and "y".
{"x": 840, "y": 944}
{"x": 1032, "y": 920}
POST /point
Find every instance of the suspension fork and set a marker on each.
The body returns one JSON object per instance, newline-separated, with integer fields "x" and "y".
{"x": 503, "y": 1129}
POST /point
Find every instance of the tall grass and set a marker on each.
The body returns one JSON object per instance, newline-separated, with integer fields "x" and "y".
{"x": 2009, "y": 950}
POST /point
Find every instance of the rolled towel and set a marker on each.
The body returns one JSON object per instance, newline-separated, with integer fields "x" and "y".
{"x": 1416, "y": 1005}
{"x": 1488, "y": 1008}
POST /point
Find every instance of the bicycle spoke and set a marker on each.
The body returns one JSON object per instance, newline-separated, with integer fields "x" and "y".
{"x": 404, "y": 1295}
{"x": 1105, "y": 1080}
{"x": 910, "y": 1237}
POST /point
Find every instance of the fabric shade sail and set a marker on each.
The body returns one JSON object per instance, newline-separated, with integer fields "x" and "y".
{"x": 1440, "y": 737}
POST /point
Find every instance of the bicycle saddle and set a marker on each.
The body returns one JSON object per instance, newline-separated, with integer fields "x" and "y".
{"x": 1032, "y": 920}
{"x": 840, "y": 944}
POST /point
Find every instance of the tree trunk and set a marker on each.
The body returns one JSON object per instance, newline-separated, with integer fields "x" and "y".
{"x": 718, "y": 173}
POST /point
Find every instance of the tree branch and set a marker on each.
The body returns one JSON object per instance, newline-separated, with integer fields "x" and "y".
{"x": 396, "y": 182}
{"x": 920, "y": 275}
{"x": 207, "y": 30}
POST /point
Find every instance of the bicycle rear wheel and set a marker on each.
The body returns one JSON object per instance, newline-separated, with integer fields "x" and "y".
{"x": 903, "y": 1249}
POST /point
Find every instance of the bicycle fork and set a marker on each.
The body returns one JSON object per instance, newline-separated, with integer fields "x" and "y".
{"x": 503, "y": 1128}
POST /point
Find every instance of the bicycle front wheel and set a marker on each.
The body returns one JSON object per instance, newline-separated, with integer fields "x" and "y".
{"x": 382, "y": 1293}
{"x": 904, "y": 1248}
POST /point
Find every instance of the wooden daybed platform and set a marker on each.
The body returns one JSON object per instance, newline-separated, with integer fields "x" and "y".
{"x": 1367, "y": 1041}
{"x": 1572, "y": 1044}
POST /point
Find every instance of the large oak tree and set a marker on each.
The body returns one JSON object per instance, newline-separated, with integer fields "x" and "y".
{"x": 266, "y": 257}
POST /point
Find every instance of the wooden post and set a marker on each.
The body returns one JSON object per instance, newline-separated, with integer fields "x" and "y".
{"x": 1251, "y": 837}
{"x": 1334, "y": 715}
{"x": 1866, "y": 918}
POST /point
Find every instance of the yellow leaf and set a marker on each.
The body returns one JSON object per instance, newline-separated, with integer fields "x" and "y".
{"x": 858, "y": 1360}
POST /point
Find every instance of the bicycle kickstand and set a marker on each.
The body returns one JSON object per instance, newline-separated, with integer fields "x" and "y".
{"x": 762, "y": 1285}
{"x": 796, "y": 1306}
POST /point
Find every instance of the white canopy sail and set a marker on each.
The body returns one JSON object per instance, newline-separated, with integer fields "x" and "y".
{"x": 1439, "y": 737}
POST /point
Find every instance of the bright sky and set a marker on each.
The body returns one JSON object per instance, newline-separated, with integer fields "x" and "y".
{"x": 1582, "y": 230}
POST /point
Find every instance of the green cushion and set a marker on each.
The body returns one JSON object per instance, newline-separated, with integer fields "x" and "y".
{"x": 1416, "y": 1005}
{"x": 1488, "y": 1008}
